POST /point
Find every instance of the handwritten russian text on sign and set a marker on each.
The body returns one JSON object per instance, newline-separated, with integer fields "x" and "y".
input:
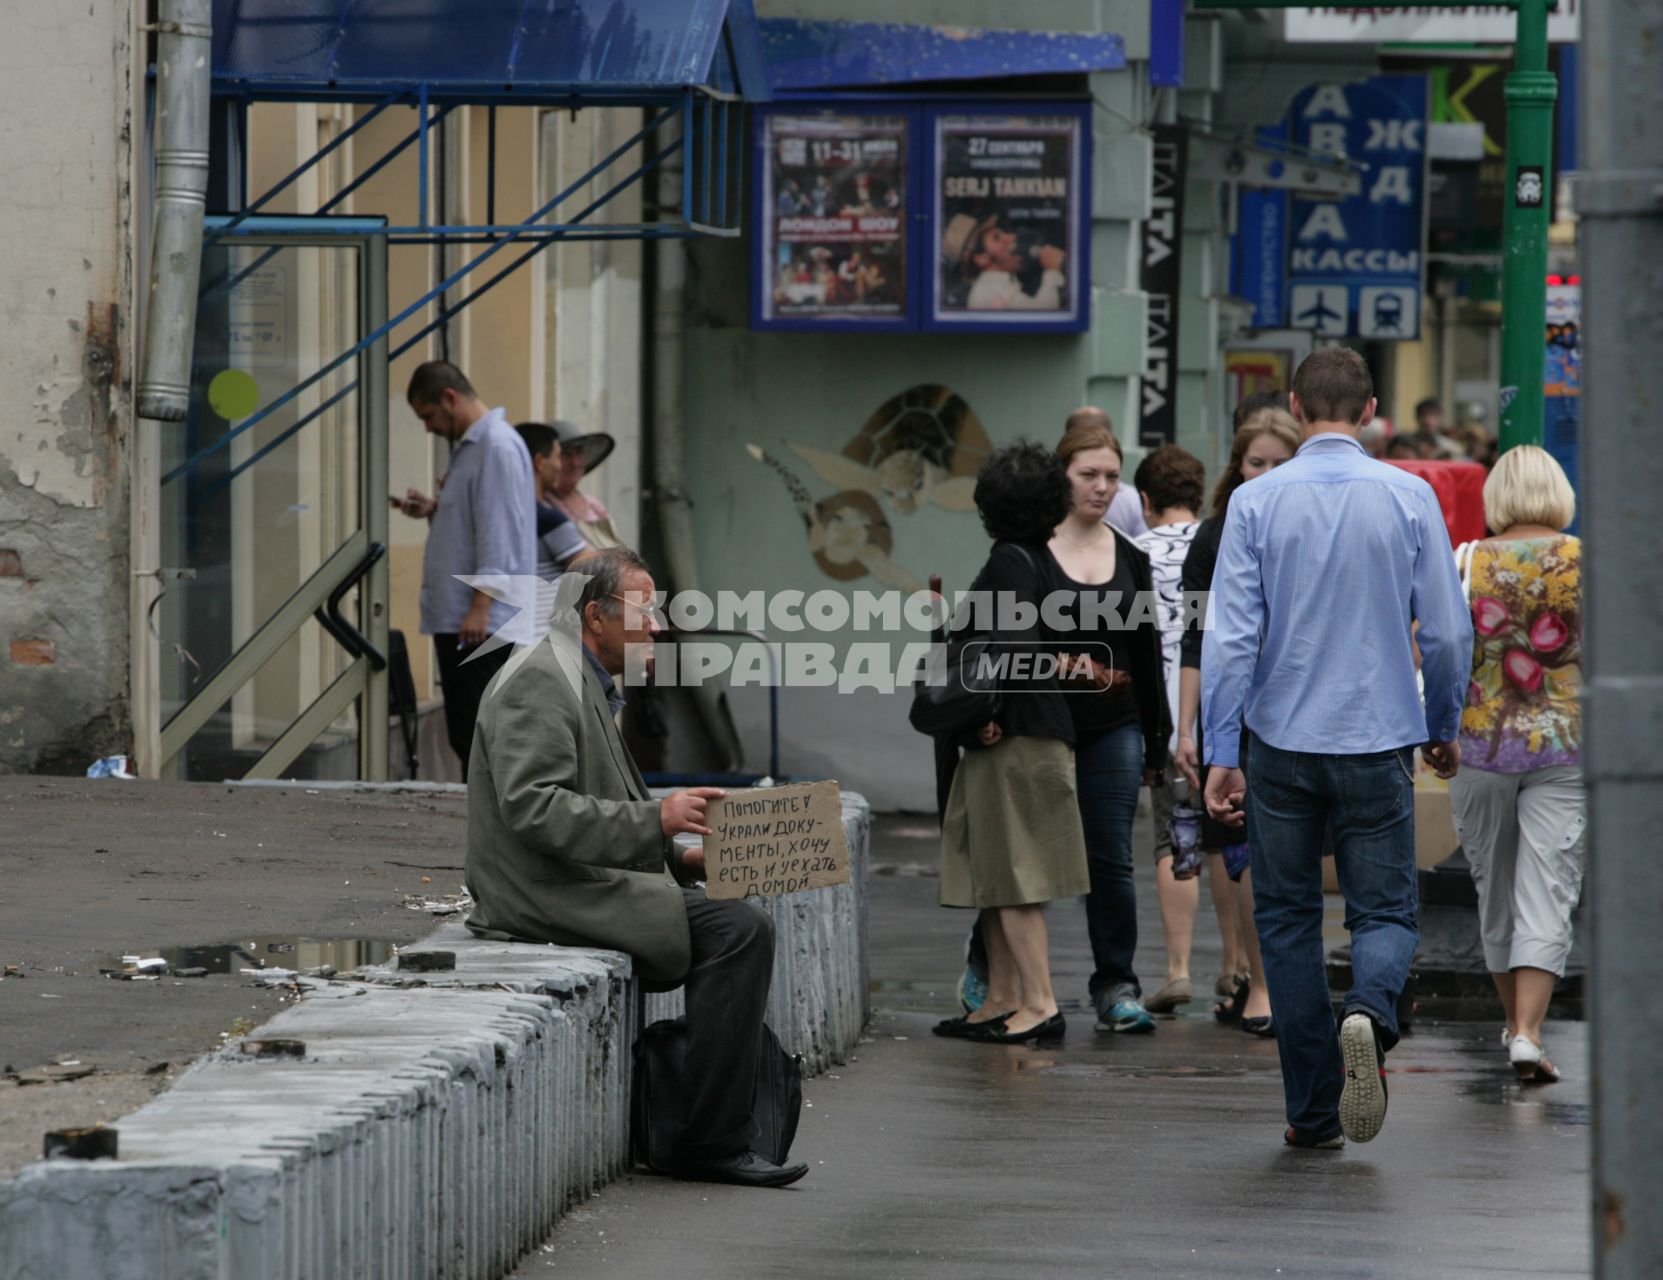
{"x": 776, "y": 840}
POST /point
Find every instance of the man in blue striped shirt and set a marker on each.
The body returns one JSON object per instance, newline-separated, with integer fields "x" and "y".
{"x": 1309, "y": 678}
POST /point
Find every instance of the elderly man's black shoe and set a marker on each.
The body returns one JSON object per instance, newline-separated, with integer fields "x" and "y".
{"x": 747, "y": 1169}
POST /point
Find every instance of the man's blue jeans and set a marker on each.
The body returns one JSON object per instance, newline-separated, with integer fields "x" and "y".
{"x": 1292, "y": 798}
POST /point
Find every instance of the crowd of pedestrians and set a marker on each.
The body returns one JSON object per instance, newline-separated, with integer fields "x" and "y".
{"x": 1316, "y": 641}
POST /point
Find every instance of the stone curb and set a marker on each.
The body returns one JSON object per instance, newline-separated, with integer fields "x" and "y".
{"x": 438, "y": 1124}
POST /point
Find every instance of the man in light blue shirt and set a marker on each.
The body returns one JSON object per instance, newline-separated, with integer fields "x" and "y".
{"x": 483, "y": 526}
{"x": 1309, "y": 686}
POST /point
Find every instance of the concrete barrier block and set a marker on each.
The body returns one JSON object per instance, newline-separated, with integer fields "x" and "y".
{"x": 438, "y": 1125}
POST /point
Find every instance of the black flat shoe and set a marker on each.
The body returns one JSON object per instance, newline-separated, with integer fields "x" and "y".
{"x": 1261, "y": 1027}
{"x": 747, "y": 1169}
{"x": 964, "y": 1029}
{"x": 1051, "y": 1029}
{"x": 1228, "y": 1011}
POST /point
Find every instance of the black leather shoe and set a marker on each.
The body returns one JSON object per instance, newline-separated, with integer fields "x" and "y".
{"x": 747, "y": 1169}
{"x": 1052, "y": 1028}
{"x": 964, "y": 1029}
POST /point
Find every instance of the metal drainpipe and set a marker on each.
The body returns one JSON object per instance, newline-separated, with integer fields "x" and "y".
{"x": 675, "y": 508}
{"x": 183, "y": 52}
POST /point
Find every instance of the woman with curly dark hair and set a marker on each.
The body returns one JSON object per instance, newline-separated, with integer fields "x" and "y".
{"x": 1011, "y": 837}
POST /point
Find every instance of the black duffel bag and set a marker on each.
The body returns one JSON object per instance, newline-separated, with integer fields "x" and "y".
{"x": 658, "y": 1096}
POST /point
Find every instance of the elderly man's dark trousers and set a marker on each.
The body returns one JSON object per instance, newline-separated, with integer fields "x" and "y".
{"x": 727, "y": 996}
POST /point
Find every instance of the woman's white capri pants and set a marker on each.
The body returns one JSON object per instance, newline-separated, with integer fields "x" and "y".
{"x": 1523, "y": 835}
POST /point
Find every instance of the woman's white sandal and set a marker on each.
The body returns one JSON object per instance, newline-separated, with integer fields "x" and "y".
{"x": 1529, "y": 1062}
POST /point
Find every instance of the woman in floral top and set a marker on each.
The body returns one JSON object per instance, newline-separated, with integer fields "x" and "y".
{"x": 1518, "y": 801}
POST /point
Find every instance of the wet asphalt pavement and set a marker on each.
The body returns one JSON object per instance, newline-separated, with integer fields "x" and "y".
{"x": 1134, "y": 1156}
{"x": 92, "y": 871}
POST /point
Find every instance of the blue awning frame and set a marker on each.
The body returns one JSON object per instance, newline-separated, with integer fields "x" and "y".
{"x": 541, "y": 52}
{"x": 693, "y": 88}
{"x": 702, "y": 122}
{"x": 812, "y": 56}
{"x": 535, "y": 235}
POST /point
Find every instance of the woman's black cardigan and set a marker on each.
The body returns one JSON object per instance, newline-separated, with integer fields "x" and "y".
{"x": 1044, "y": 714}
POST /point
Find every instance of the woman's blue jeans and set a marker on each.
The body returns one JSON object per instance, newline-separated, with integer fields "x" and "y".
{"x": 1108, "y": 772}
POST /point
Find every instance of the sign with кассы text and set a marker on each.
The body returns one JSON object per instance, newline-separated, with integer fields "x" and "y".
{"x": 1356, "y": 266}
{"x": 774, "y": 840}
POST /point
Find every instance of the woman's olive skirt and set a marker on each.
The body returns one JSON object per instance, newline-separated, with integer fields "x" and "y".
{"x": 1011, "y": 834}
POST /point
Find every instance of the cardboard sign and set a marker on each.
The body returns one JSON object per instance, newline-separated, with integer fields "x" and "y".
{"x": 776, "y": 840}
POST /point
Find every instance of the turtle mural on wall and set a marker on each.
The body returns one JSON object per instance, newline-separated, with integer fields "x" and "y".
{"x": 847, "y": 532}
{"x": 923, "y": 445}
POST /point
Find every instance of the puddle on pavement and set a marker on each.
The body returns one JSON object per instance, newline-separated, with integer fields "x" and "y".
{"x": 285, "y": 952}
{"x": 1532, "y": 1103}
{"x": 1057, "y": 1066}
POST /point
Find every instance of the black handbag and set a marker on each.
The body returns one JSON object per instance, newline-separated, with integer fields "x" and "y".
{"x": 965, "y": 699}
{"x": 659, "y": 1092}
{"x": 956, "y": 694}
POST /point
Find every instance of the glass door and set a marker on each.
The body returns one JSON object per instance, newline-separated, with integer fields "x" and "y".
{"x": 272, "y": 622}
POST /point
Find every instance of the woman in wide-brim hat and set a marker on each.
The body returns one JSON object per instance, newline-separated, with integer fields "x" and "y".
{"x": 580, "y": 453}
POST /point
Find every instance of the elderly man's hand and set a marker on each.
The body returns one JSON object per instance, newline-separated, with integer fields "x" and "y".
{"x": 684, "y": 811}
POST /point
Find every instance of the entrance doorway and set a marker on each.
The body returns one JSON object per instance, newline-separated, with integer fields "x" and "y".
{"x": 272, "y": 622}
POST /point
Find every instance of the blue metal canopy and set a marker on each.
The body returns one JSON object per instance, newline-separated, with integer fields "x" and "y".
{"x": 805, "y": 55}
{"x": 486, "y": 50}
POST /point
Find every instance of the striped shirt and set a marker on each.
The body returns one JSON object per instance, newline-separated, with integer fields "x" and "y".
{"x": 1166, "y": 546}
{"x": 1324, "y": 564}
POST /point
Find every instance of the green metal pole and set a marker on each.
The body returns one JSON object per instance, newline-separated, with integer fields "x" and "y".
{"x": 1531, "y": 91}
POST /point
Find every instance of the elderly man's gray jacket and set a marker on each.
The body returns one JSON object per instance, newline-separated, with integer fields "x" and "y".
{"x": 564, "y": 843}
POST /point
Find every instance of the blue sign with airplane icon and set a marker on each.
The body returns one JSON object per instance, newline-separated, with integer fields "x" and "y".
{"x": 1356, "y": 266}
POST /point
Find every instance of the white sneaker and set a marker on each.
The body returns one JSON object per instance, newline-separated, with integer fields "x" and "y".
{"x": 1363, "y": 1099}
{"x": 1529, "y": 1062}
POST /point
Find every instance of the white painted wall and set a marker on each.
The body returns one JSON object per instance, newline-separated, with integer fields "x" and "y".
{"x": 594, "y": 292}
{"x": 66, "y": 309}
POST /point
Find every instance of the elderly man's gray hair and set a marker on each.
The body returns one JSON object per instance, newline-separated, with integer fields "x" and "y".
{"x": 605, "y": 571}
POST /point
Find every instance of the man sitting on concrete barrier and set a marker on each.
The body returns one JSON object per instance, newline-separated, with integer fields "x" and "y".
{"x": 565, "y": 845}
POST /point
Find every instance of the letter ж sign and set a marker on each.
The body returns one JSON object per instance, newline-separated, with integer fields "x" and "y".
{"x": 1356, "y": 267}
